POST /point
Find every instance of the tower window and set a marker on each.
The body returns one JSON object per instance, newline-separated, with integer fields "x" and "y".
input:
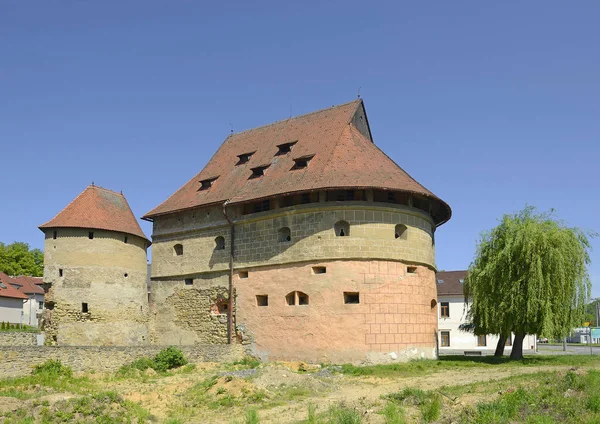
{"x": 351, "y": 298}
{"x": 285, "y": 148}
{"x": 220, "y": 243}
{"x": 84, "y": 308}
{"x": 411, "y": 269}
{"x": 342, "y": 229}
{"x": 284, "y": 235}
{"x": 189, "y": 281}
{"x": 91, "y": 235}
{"x": 401, "y": 232}
{"x": 125, "y": 239}
{"x": 60, "y": 272}
{"x": 296, "y": 298}
{"x": 262, "y": 300}
{"x": 54, "y": 234}
{"x": 243, "y": 274}
{"x": 302, "y": 162}
{"x": 206, "y": 184}
{"x": 258, "y": 172}
{"x": 178, "y": 249}
{"x": 244, "y": 158}
{"x": 319, "y": 270}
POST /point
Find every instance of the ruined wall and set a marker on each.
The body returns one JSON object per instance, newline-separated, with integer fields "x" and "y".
{"x": 394, "y": 313}
{"x": 104, "y": 273}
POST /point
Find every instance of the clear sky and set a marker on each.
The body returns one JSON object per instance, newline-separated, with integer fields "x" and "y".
{"x": 490, "y": 105}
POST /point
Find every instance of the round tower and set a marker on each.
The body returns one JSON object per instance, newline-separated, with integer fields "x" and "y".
{"x": 96, "y": 269}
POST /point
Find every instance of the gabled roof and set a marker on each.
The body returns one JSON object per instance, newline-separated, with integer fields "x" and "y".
{"x": 98, "y": 208}
{"x": 28, "y": 285}
{"x": 6, "y": 290}
{"x": 451, "y": 285}
{"x": 342, "y": 155}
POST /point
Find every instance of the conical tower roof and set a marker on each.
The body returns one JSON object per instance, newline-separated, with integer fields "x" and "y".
{"x": 338, "y": 143}
{"x": 98, "y": 208}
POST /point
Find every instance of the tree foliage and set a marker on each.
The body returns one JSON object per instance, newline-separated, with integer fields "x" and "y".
{"x": 18, "y": 259}
{"x": 529, "y": 276}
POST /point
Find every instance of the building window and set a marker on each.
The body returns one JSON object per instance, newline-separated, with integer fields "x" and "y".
{"x": 351, "y": 298}
{"x": 508, "y": 340}
{"x": 220, "y": 243}
{"x": 54, "y": 234}
{"x": 444, "y": 310}
{"x": 243, "y": 274}
{"x": 84, "y": 308}
{"x": 290, "y": 299}
{"x": 189, "y": 281}
{"x": 208, "y": 183}
{"x": 296, "y": 298}
{"x": 433, "y": 303}
{"x": 125, "y": 239}
{"x": 302, "y": 298}
{"x": 301, "y": 163}
{"x": 411, "y": 269}
{"x": 255, "y": 207}
{"x": 319, "y": 270}
{"x": 284, "y": 235}
{"x": 482, "y": 340}
{"x": 445, "y": 338}
{"x": 258, "y": 172}
{"x": 40, "y": 305}
{"x": 440, "y": 281}
{"x": 401, "y": 232}
{"x": 60, "y": 272}
{"x": 285, "y": 148}
{"x": 342, "y": 229}
{"x": 91, "y": 235}
{"x": 244, "y": 158}
{"x": 262, "y": 300}
{"x": 178, "y": 250}
{"x": 420, "y": 203}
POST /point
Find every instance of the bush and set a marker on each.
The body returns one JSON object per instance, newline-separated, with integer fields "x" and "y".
{"x": 54, "y": 368}
{"x": 168, "y": 358}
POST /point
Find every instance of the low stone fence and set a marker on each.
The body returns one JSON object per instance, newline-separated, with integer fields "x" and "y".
{"x": 19, "y": 360}
{"x": 17, "y": 338}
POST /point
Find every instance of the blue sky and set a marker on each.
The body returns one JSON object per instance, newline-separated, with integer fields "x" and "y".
{"x": 491, "y": 105}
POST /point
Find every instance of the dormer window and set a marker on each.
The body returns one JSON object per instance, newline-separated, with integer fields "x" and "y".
{"x": 440, "y": 281}
{"x": 285, "y": 148}
{"x": 258, "y": 172}
{"x": 206, "y": 184}
{"x": 302, "y": 162}
{"x": 244, "y": 158}
{"x": 461, "y": 280}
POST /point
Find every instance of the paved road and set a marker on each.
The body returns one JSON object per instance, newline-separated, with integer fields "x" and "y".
{"x": 545, "y": 349}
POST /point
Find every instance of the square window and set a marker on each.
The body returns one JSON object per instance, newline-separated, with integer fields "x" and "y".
{"x": 351, "y": 298}
{"x": 189, "y": 281}
{"x": 444, "y": 309}
{"x": 445, "y": 338}
{"x": 262, "y": 300}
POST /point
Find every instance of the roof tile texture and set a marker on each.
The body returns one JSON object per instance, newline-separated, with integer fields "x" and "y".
{"x": 451, "y": 285}
{"x": 8, "y": 290}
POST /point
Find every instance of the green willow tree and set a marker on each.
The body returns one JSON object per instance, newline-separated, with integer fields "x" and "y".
{"x": 529, "y": 276}
{"x": 18, "y": 259}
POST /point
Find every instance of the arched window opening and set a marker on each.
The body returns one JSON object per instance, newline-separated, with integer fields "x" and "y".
{"x": 220, "y": 243}
{"x": 178, "y": 249}
{"x": 342, "y": 229}
{"x": 401, "y": 232}
{"x": 296, "y": 298}
{"x": 433, "y": 303}
{"x": 285, "y": 235}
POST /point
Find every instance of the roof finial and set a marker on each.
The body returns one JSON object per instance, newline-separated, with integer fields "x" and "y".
{"x": 92, "y": 184}
{"x": 359, "y": 92}
{"x": 231, "y": 125}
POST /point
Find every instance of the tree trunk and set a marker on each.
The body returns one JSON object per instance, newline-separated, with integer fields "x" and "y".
{"x": 500, "y": 346}
{"x": 517, "y": 348}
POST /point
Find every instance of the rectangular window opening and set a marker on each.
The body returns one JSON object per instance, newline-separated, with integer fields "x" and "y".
{"x": 482, "y": 340}
{"x": 445, "y": 338}
{"x": 285, "y": 148}
{"x": 319, "y": 270}
{"x": 244, "y": 158}
{"x": 91, "y": 235}
{"x": 40, "y": 305}
{"x": 262, "y": 300}
{"x": 189, "y": 281}
{"x": 84, "y": 308}
{"x": 444, "y": 309}
{"x": 243, "y": 274}
{"x": 258, "y": 172}
{"x": 60, "y": 272}
{"x": 351, "y": 298}
{"x": 125, "y": 240}
{"x": 54, "y": 234}
{"x": 411, "y": 269}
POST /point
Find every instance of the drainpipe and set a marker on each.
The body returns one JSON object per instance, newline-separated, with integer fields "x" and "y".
{"x": 230, "y": 309}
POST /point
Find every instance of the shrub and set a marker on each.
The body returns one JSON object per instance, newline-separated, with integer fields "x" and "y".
{"x": 54, "y": 368}
{"x": 168, "y": 358}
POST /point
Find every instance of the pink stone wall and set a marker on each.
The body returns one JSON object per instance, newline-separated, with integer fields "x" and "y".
{"x": 394, "y": 313}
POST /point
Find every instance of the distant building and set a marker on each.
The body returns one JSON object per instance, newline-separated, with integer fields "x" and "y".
{"x": 34, "y": 306}
{"x": 11, "y": 301}
{"x": 452, "y": 312}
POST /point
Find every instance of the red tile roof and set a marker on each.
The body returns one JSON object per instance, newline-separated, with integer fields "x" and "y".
{"x": 98, "y": 208}
{"x": 29, "y": 285}
{"x": 451, "y": 285}
{"x": 6, "y": 290}
{"x": 343, "y": 157}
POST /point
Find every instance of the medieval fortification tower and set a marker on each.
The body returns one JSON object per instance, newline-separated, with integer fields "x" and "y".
{"x": 95, "y": 267}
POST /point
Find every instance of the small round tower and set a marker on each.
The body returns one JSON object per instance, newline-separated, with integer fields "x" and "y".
{"x": 96, "y": 269}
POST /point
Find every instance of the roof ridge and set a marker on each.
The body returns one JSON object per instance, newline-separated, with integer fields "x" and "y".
{"x": 292, "y": 118}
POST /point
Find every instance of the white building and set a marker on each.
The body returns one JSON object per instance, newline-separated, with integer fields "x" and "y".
{"x": 11, "y": 301}
{"x": 31, "y": 299}
{"x": 452, "y": 312}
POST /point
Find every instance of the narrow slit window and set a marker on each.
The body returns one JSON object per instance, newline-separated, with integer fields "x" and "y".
{"x": 84, "y": 308}
{"x": 319, "y": 270}
{"x": 54, "y": 235}
{"x": 189, "y": 281}
{"x": 125, "y": 240}
{"x": 258, "y": 172}
{"x": 244, "y": 158}
{"x": 302, "y": 162}
{"x": 60, "y": 272}
{"x": 285, "y": 148}
{"x": 178, "y": 250}
{"x": 351, "y": 298}
{"x": 91, "y": 235}
{"x": 208, "y": 183}
{"x": 262, "y": 300}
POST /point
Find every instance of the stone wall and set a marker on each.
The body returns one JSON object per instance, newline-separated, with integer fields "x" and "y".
{"x": 19, "y": 360}
{"x": 15, "y": 338}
